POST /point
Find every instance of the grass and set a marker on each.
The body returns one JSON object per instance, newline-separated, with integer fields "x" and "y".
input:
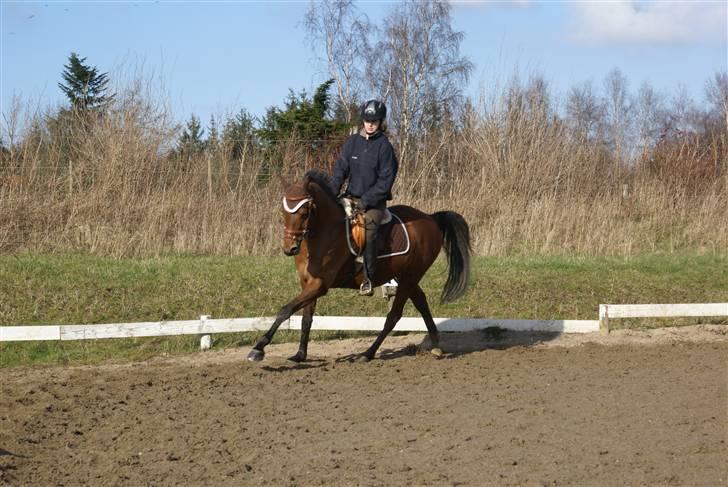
{"x": 40, "y": 289}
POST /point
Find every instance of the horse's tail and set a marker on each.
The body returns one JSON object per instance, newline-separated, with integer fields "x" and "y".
{"x": 457, "y": 248}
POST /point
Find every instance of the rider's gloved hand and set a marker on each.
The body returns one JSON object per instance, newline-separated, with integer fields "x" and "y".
{"x": 346, "y": 202}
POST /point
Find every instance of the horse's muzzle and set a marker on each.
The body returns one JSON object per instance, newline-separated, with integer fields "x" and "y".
{"x": 292, "y": 250}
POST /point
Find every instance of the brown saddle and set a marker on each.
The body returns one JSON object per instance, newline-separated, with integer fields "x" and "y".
{"x": 392, "y": 236}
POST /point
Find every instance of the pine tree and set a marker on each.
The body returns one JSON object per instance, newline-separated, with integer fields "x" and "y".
{"x": 302, "y": 117}
{"x": 190, "y": 143}
{"x": 213, "y": 137}
{"x": 85, "y": 87}
{"x": 238, "y": 133}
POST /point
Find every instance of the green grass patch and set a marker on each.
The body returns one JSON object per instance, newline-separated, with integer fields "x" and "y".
{"x": 40, "y": 289}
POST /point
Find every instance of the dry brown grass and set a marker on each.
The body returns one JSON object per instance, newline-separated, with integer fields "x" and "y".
{"x": 524, "y": 183}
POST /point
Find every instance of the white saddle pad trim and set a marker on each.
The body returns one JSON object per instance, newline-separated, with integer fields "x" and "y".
{"x": 406, "y": 237}
{"x": 383, "y": 256}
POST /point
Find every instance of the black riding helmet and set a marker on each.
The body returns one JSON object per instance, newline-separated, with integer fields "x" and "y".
{"x": 373, "y": 110}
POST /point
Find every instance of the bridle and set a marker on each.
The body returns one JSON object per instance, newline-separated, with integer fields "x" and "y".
{"x": 298, "y": 235}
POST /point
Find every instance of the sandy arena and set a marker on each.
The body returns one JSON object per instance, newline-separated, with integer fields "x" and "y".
{"x": 631, "y": 408}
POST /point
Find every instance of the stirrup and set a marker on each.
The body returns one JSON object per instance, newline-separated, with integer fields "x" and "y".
{"x": 366, "y": 288}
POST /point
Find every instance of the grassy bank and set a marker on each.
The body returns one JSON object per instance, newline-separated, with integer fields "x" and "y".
{"x": 68, "y": 289}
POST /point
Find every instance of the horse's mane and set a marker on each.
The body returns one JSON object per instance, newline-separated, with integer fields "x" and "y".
{"x": 322, "y": 179}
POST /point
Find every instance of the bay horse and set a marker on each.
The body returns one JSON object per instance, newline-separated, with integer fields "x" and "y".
{"x": 315, "y": 230}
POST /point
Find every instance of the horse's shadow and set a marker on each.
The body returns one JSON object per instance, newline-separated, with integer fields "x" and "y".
{"x": 384, "y": 354}
{"x": 456, "y": 344}
{"x": 289, "y": 365}
{"x": 453, "y": 344}
{"x": 5, "y": 453}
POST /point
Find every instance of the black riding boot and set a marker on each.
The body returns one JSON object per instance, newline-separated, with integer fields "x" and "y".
{"x": 370, "y": 263}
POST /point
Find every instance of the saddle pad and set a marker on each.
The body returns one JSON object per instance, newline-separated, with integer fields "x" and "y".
{"x": 392, "y": 239}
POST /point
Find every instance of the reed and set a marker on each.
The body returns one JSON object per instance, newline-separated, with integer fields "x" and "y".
{"x": 524, "y": 181}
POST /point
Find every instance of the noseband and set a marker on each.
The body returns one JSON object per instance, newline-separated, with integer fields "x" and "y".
{"x": 298, "y": 235}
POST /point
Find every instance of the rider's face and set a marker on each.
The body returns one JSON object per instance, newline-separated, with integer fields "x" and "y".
{"x": 371, "y": 127}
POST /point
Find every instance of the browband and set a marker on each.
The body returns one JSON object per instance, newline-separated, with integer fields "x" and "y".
{"x": 295, "y": 208}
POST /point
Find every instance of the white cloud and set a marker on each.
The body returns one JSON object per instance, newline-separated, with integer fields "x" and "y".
{"x": 665, "y": 21}
{"x": 482, "y": 4}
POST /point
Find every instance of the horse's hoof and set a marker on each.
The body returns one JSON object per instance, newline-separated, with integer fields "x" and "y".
{"x": 362, "y": 359}
{"x": 256, "y": 355}
{"x": 437, "y": 352}
{"x": 298, "y": 358}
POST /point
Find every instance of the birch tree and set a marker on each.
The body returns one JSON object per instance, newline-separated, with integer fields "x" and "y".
{"x": 585, "y": 113}
{"x": 716, "y": 92}
{"x": 618, "y": 107}
{"x": 649, "y": 115}
{"x": 337, "y": 28}
{"x": 416, "y": 62}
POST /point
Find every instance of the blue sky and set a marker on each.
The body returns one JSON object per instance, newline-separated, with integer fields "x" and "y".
{"x": 214, "y": 57}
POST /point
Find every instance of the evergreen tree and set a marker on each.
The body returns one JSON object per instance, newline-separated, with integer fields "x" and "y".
{"x": 213, "y": 138}
{"x": 84, "y": 86}
{"x": 190, "y": 143}
{"x": 238, "y": 134}
{"x": 302, "y": 117}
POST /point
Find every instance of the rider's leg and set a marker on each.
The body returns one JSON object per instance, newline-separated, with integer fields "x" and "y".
{"x": 372, "y": 219}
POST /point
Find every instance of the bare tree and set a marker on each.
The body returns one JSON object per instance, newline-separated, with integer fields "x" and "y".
{"x": 618, "y": 114}
{"x": 683, "y": 113}
{"x": 11, "y": 128}
{"x": 649, "y": 115}
{"x": 716, "y": 92}
{"x": 416, "y": 63}
{"x": 538, "y": 98}
{"x": 337, "y": 27}
{"x": 585, "y": 113}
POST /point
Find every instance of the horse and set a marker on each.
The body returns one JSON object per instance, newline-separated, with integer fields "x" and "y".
{"x": 315, "y": 234}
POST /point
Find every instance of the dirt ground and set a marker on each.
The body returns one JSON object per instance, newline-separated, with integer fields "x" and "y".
{"x": 631, "y": 408}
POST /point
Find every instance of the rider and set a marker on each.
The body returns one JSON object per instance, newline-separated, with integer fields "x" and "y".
{"x": 368, "y": 161}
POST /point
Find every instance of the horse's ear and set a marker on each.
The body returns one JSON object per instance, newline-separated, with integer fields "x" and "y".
{"x": 307, "y": 182}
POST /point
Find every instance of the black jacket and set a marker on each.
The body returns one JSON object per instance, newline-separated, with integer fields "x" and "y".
{"x": 370, "y": 165}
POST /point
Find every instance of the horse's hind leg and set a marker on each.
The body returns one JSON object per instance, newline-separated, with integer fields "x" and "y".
{"x": 392, "y": 318}
{"x": 305, "y": 331}
{"x": 420, "y": 301}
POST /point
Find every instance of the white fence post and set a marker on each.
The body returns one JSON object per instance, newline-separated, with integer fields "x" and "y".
{"x": 604, "y": 319}
{"x": 205, "y": 340}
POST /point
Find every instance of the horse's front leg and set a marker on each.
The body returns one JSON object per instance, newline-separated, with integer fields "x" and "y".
{"x": 302, "y": 353}
{"x": 309, "y": 294}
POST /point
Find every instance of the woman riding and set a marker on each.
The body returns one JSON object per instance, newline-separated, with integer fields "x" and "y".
{"x": 367, "y": 160}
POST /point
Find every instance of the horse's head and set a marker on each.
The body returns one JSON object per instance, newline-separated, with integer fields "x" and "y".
{"x": 300, "y": 201}
{"x": 297, "y": 209}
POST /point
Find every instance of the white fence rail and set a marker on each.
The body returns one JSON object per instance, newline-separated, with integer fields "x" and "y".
{"x": 207, "y": 326}
{"x": 611, "y": 311}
